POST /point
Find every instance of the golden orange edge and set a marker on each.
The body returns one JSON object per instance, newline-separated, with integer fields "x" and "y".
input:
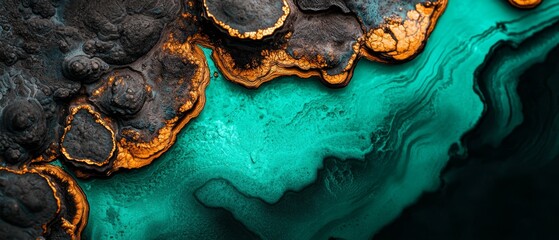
{"x": 413, "y": 33}
{"x": 278, "y": 63}
{"x": 255, "y": 35}
{"x": 525, "y": 4}
{"x": 73, "y": 227}
{"x": 98, "y": 119}
{"x": 136, "y": 155}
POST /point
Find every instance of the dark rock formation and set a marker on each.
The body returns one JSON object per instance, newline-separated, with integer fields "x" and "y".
{"x": 42, "y": 201}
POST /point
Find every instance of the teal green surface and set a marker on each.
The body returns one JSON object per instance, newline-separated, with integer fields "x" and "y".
{"x": 258, "y": 154}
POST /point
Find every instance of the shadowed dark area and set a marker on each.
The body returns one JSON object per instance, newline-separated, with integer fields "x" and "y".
{"x": 504, "y": 188}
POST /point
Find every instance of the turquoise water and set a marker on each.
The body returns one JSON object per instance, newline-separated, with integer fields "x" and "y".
{"x": 258, "y": 156}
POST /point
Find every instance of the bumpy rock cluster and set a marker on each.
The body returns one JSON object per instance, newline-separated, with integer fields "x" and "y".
{"x": 42, "y": 201}
{"x": 107, "y": 85}
{"x": 100, "y": 85}
{"x": 255, "y": 43}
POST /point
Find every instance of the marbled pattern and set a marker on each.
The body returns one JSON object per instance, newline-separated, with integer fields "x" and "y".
{"x": 359, "y": 156}
{"x": 108, "y": 85}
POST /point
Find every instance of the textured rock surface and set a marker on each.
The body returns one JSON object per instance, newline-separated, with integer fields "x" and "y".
{"x": 42, "y": 201}
{"x": 313, "y": 38}
{"x": 322, "y": 5}
{"x": 247, "y": 18}
{"x": 28, "y": 203}
{"x": 87, "y": 139}
{"x": 128, "y": 62}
